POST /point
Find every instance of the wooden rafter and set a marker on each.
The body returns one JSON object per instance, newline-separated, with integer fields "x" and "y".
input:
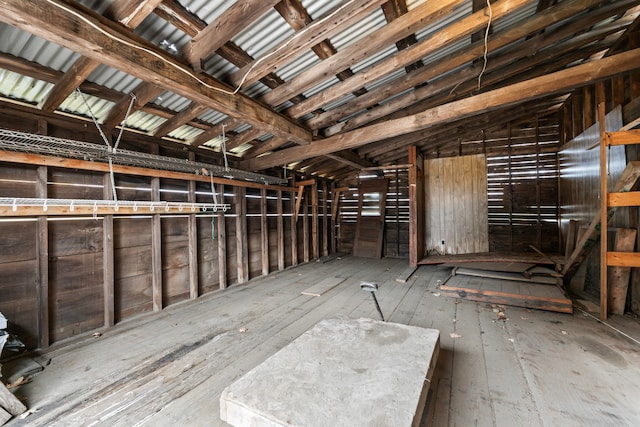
{"x": 129, "y": 13}
{"x": 488, "y": 101}
{"x": 66, "y": 25}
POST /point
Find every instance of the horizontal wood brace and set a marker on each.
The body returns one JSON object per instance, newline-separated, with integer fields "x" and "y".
{"x": 630, "y": 198}
{"x": 623, "y": 259}
{"x": 627, "y": 137}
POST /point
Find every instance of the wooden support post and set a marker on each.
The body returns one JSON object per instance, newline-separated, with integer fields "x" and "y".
{"x": 242, "y": 257}
{"x": 264, "y": 232}
{"x": 325, "y": 222}
{"x": 222, "y": 243}
{"x": 314, "y": 221}
{"x": 42, "y": 291}
{"x": 305, "y": 235}
{"x": 108, "y": 266}
{"x": 294, "y": 228}
{"x": 299, "y": 200}
{"x": 603, "y": 212}
{"x": 192, "y": 230}
{"x": 332, "y": 221}
{"x": 280, "y": 231}
{"x": 416, "y": 206}
{"x": 156, "y": 249}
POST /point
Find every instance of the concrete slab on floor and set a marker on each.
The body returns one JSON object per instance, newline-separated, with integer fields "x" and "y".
{"x": 341, "y": 372}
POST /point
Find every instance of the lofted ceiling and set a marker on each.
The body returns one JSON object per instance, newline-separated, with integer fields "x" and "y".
{"x": 322, "y": 86}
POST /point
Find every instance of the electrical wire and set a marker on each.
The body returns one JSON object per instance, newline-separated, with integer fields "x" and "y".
{"x": 607, "y": 324}
{"x": 181, "y": 69}
{"x": 486, "y": 43}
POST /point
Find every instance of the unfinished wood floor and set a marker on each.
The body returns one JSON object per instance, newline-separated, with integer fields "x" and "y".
{"x": 534, "y": 369}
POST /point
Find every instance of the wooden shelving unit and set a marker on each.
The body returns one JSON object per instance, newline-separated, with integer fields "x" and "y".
{"x": 619, "y": 197}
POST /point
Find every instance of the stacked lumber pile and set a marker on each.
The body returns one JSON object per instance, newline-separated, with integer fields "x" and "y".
{"x": 531, "y": 283}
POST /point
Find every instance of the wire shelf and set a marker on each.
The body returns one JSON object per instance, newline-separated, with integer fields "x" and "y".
{"x": 39, "y": 144}
{"x": 29, "y": 206}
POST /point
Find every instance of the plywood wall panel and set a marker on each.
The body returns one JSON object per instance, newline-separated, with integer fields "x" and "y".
{"x": 456, "y": 213}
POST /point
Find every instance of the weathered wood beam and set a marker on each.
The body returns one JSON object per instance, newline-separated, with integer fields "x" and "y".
{"x": 393, "y": 9}
{"x": 553, "y": 83}
{"x": 180, "y": 17}
{"x": 68, "y": 26}
{"x": 180, "y": 119}
{"x": 313, "y": 33}
{"x": 233, "y": 20}
{"x": 143, "y": 93}
{"x": 408, "y": 24}
{"x": 214, "y": 131}
{"x": 470, "y": 53}
{"x": 243, "y": 138}
{"x": 263, "y": 147}
{"x": 129, "y": 13}
{"x": 350, "y": 158}
{"x": 220, "y": 224}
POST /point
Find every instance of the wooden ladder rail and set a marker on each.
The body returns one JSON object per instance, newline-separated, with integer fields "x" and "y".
{"x": 614, "y": 200}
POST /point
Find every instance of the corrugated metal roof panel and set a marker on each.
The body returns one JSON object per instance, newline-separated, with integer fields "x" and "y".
{"x": 263, "y": 34}
{"x": 363, "y": 28}
{"x": 19, "y": 87}
{"x": 172, "y": 101}
{"x": 114, "y": 79}
{"x": 185, "y": 133}
{"x": 86, "y": 105}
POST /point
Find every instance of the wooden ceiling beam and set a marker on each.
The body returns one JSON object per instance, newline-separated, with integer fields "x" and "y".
{"x": 129, "y": 13}
{"x": 67, "y": 25}
{"x": 180, "y": 17}
{"x": 236, "y": 18}
{"x": 263, "y": 147}
{"x": 402, "y": 27}
{"x": 393, "y": 9}
{"x": 143, "y": 93}
{"x": 308, "y": 34}
{"x": 180, "y": 119}
{"x": 441, "y": 67}
{"x": 539, "y": 87}
{"x": 214, "y": 131}
{"x": 526, "y": 48}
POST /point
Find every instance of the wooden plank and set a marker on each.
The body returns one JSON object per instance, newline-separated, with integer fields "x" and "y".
{"x": 280, "y": 231}
{"x": 604, "y": 212}
{"x": 509, "y": 266}
{"x": 406, "y": 274}
{"x": 623, "y": 259}
{"x": 108, "y": 263}
{"x": 305, "y": 232}
{"x": 414, "y": 213}
{"x": 60, "y": 162}
{"x": 325, "y": 219}
{"x": 369, "y": 235}
{"x": 630, "y": 198}
{"x": 4, "y": 416}
{"x": 561, "y": 305}
{"x": 618, "y": 277}
{"x": 42, "y": 256}
{"x": 156, "y": 250}
{"x": 241, "y": 235}
{"x": 294, "y": 228}
{"x": 192, "y": 227}
{"x": 220, "y": 222}
{"x": 626, "y": 137}
{"x": 9, "y": 402}
{"x": 264, "y": 233}
{"x": 506, "y": 276}
{"x": 324, "y": 286}
{"x": 315, "y": 243}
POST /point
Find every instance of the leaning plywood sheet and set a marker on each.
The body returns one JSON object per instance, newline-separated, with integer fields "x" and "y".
{"x": 341, "y": 372}
{"x": 507, "y": 292}
{"x": 324, "y": 286}
{"x": 548, "y": 280}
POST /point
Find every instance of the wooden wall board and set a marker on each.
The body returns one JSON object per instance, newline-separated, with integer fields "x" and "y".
{"x": 132, "y": 296}
{"x": 75, "y": 295}
{"x": 456, "y": 205}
